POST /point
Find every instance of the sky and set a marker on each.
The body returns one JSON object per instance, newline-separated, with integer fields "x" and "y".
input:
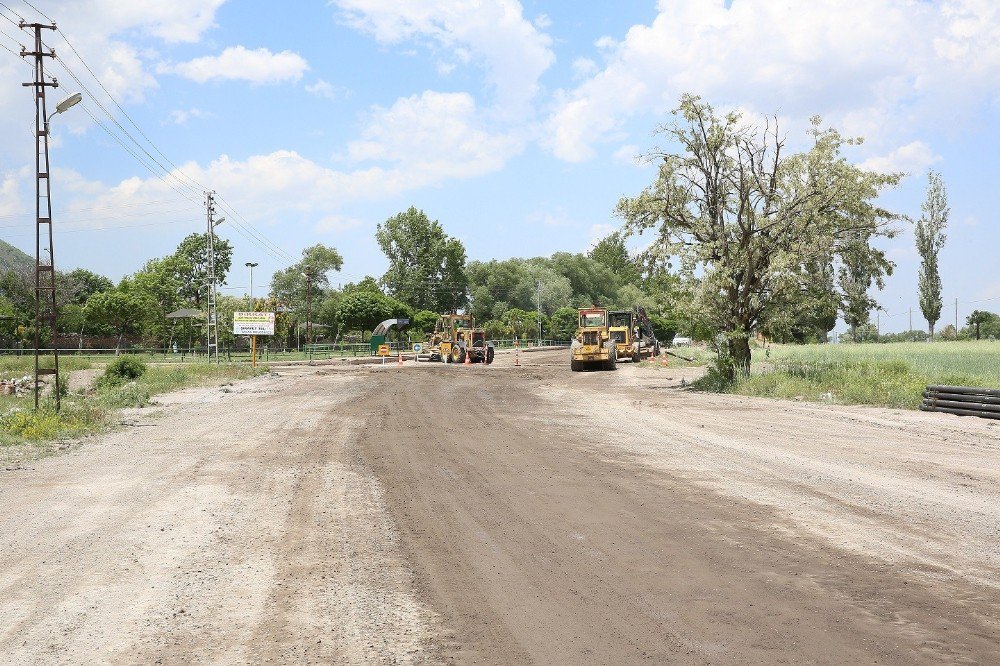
{"x": 517, "y": 125}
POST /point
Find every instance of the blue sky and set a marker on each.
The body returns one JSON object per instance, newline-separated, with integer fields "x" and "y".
{"x": 514, "y": 124}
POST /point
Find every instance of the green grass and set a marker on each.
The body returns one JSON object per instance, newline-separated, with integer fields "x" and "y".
{"x": 95, "y": 409}
{"x": 887, "y": 375}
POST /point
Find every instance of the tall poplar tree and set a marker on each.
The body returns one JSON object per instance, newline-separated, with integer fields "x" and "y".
{"x": 930, "y": 239}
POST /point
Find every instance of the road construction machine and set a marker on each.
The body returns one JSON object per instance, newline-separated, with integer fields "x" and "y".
{"x": 592, "y": 347}
{"x": 633, "y": 334}
{"x": 456, "y": 338}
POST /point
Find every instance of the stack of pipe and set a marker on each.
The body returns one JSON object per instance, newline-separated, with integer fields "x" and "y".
{"x": 963, "y": 401}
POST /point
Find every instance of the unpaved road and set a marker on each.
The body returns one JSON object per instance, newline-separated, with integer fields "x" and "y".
{"x": 505, "y": 515}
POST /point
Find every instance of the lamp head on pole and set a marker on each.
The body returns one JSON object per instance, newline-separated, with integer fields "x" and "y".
{"x": 69, "y": 102}
{"x": 218, "y": 222}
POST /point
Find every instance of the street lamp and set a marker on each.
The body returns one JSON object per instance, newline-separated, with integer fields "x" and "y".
{"x": 43, "y": 169}
{"x": 251, "y": 265}
{"x": 66, "y": 104}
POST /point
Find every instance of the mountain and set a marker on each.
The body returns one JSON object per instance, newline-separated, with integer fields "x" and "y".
{"x": 12, "y": 258}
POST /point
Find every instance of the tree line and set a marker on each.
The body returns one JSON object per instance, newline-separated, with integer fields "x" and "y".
{"x": 742, "y": 237}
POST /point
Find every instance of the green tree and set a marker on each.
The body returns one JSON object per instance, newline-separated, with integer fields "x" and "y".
{"x": 426, "y": 265}
{"x": 564, "y": 323}
{"x": 158, "y": 286}
{"x": 613, "y": 253}
{"x": 306, "y": 281}
{"x": 860, "y": 268}
{"x": 930, "y": 237}
{"x": 368, "y": 283}
{"x": 744, "y": 220}
{"x": 364, "y": 310}
{"x": 192, "y": 266}
{"x": 83, "y": 283}
{"x": 424, "y": 321}
{"x": 117, "y": 310}
{"x": 978, "y": 319}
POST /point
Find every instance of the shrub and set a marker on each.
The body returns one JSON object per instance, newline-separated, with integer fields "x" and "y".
{"x": 123, "y": 369}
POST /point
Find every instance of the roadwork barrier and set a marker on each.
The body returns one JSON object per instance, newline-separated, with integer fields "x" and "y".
{"x": 962, "y": 401}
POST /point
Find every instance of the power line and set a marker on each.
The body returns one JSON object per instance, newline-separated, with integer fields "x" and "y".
{"x": 183, "y": 184}
{"x": 38, "y": 11}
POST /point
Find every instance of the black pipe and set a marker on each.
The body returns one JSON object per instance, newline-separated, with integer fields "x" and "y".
{"x": 968, "y": 390}
{"x": 960, "y": 412}
{"x": 963, "y": 397}
{"x": 956, "y": 404}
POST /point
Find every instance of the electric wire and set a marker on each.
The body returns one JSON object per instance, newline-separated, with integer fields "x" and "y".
{"x": 136, "y": 157}
{"x": 192, "y": 186}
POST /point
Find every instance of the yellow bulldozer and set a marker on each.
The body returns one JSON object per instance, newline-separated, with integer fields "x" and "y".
{"x": 633, "y": 334}
{"x": 456, "y": 338}
{"x": 592, "y": 347}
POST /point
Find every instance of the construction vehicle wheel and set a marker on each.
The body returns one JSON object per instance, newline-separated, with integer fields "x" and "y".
{"x": 575, "y": 366}
{"x": 458, "y": 355}
{"x": 636, "y": 357}
{"x": 489, "y": 355}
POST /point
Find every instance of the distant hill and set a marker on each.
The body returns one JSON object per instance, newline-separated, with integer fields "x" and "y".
{"x": 12, "y": 258}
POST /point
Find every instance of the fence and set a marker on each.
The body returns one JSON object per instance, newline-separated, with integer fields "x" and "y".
{"x": 265, "y": 353}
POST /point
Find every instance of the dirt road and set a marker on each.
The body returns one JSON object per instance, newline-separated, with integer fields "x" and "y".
{"x": 435, "y": 513}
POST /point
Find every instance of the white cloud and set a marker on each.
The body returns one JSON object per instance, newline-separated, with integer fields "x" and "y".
{"x": 584, "y": 67}
{"x": 875, "y": 66}
{"x": 10, "y": 195}
{"x": 911, "y": 159}
{"x": 550, "y": 218}
{"x": 599, "y": 232}
{"x": 493, "y": 33}
{"x": 322, "y": 88}
{"x": 627, "y": 154}
{"x": 181, "y": 116}
{"x": 436, "y": 135}
{"x": 238, "y": 63}
{"x": 334, "y": 224}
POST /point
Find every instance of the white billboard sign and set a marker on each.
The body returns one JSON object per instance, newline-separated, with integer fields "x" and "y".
{"x": 253, "y": 323}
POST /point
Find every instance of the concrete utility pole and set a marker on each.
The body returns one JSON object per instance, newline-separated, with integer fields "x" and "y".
{"x": 212, "y": 327}
{"x": 308, "y": 276}
{"x": 538, "y": 311}
{"x": 956, "y": 318}
{"x": 45, "y": 272}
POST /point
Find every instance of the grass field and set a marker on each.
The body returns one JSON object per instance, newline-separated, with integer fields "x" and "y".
{"x": 889, "y": 375}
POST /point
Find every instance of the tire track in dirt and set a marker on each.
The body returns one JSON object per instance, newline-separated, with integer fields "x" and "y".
{"x": 537, "y": 540}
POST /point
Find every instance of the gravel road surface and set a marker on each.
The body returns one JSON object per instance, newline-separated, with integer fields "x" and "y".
{"x": 443, "y": 514}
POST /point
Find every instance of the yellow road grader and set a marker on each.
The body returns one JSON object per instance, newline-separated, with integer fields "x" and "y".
{"x": 633, "y": 334}
{"x": 456, "y": 338}
{"x": 592, "y": 347}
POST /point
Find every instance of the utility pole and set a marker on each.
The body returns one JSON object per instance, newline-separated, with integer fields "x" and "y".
{"x": 308, "y": 276}
{"x": 45, "y": 272}
{"x": 212, "y": 327}
{"x": 956, "y": 319}
{"x": 538, "y": 311}
{"x": 911, "y": 319}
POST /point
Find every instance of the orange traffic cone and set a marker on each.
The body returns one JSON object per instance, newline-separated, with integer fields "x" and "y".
{"x": 400, "y": 359}
{"x": 517, "y": 357}
{"x": 663, "y": 360}
{"x": 468, "y": 358}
